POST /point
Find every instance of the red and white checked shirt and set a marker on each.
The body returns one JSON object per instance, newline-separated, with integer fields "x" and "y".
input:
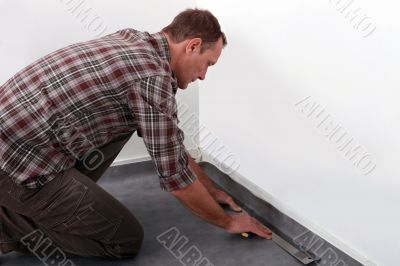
{"x": 85, "y": 95}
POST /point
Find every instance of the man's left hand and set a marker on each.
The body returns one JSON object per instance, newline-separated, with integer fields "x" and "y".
{"x": 223, "y": 198}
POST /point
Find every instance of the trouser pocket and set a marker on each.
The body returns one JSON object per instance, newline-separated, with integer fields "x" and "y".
{"x": 75, "y": 211}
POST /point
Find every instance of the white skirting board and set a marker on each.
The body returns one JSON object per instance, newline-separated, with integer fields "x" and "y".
{"x": 195, "y": 153}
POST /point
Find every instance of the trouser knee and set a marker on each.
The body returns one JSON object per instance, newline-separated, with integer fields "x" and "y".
{"x": 127, "y": 246}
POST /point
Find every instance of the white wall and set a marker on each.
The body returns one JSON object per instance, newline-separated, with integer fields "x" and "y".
{"x": 281, "y": 52}
{"x": 31, "y": 29}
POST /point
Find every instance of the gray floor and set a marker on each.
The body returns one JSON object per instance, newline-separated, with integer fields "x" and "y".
{"x": 137, "y": 186}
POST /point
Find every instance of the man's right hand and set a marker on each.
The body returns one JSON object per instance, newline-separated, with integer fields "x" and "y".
{"x": 242, "y": 222}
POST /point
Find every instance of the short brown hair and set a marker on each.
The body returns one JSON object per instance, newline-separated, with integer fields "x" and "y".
{"x": 196, "y": 23}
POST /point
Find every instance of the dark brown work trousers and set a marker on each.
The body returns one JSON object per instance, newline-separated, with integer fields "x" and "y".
{"x": 71, "y": 212}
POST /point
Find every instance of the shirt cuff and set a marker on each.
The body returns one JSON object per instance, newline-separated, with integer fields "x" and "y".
{"x": 177, "y": 181}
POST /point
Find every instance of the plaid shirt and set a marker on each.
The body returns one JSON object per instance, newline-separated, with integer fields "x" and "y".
{"x": 85, "y": 95}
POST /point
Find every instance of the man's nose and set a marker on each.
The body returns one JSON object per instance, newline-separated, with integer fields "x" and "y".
{"x": 203, "y": 75}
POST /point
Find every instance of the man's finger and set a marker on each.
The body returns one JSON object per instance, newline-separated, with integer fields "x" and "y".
{"x": 262, "y": 233}
{"x": 233, "y": 205}
{"x": 267, "y": 232}
{"x": 264, "y": 228}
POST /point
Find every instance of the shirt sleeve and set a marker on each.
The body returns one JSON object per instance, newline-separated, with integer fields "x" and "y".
{"x": 155, "y": 110}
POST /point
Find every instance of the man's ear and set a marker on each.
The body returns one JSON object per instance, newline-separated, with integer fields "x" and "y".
{"x": 193, "y": 45}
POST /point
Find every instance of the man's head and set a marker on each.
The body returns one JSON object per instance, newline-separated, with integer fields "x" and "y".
{"x": 196, "y": 41}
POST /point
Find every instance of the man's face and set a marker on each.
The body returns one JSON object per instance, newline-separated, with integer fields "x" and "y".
{"x": 194, "y": 65}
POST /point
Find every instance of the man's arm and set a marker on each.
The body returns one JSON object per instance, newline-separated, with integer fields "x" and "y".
{"x": 207, "y": 183}
{"x": 218, "y": 195}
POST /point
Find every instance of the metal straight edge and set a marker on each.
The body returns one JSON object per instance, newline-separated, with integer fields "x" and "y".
{"x": 302, "y": 256}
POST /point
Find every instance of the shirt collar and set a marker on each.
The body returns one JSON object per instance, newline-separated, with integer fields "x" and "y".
{"x": 162, "y": 47}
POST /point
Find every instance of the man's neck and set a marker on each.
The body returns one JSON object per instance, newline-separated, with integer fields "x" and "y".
{"x": 175, "y": 49}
